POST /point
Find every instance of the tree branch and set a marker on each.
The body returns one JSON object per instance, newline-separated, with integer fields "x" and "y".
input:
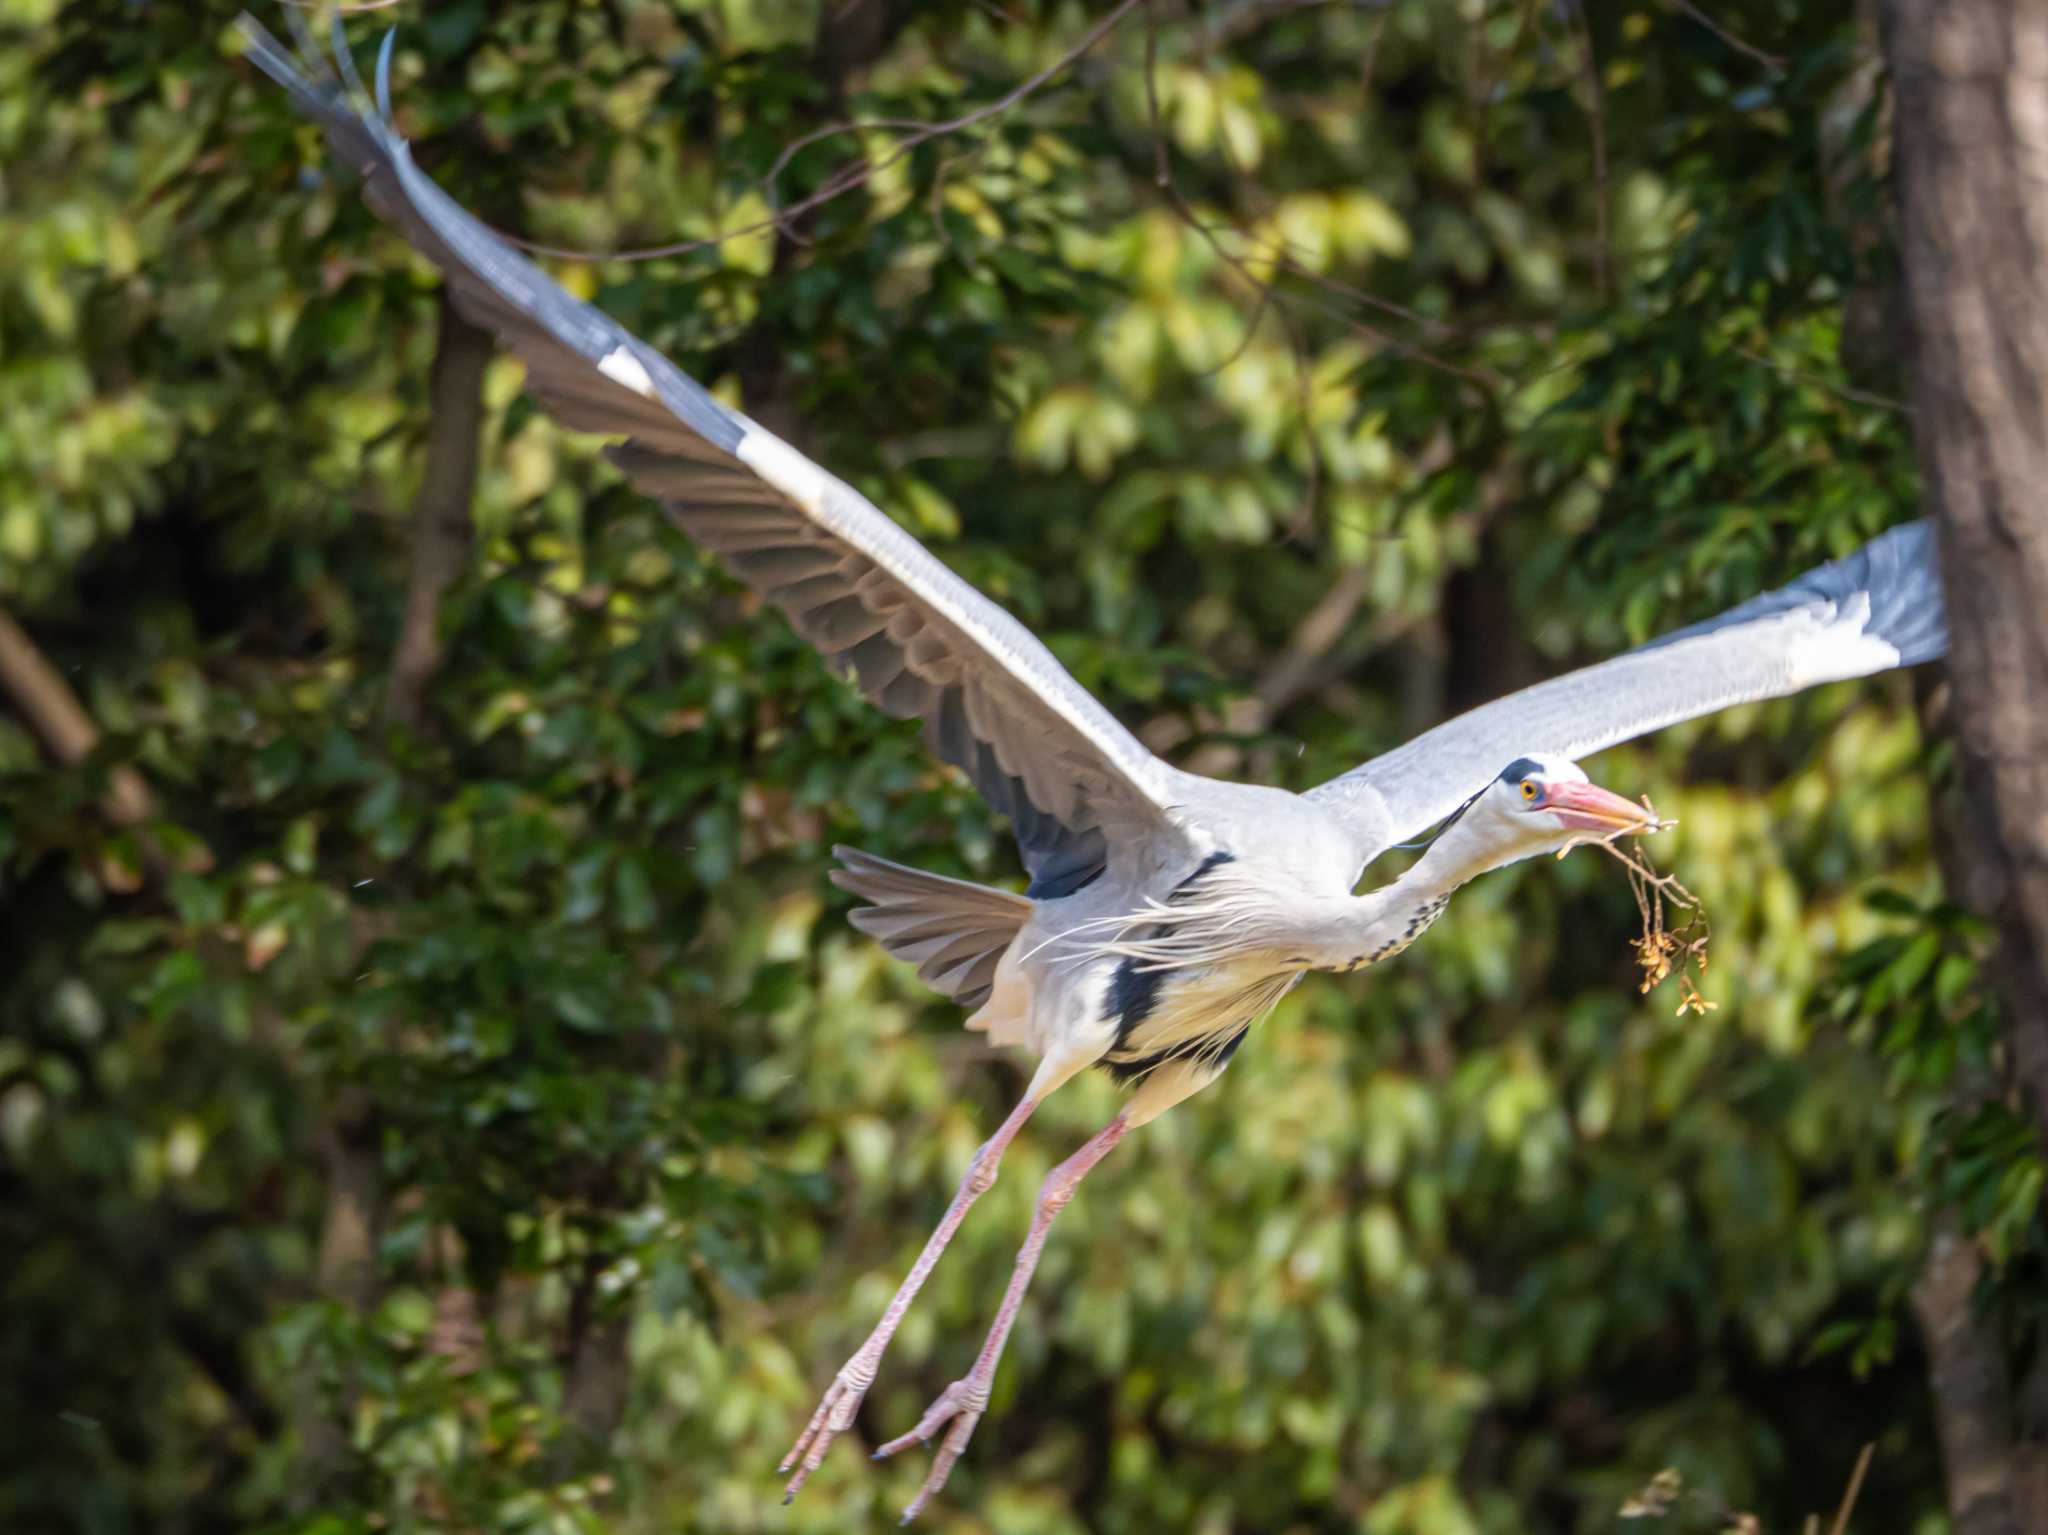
{"x": 55, "y": 714}
{"x": 835, "y": 60}
{"x": 1770, "y": 61}
{"x": 441, "y": 514}
{"x": 345, "y": 1270}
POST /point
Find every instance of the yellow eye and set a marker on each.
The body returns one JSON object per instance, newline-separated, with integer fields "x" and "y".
{"x": 1528, "y": 788}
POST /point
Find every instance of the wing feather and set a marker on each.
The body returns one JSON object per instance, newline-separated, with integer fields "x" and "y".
{"x": 1874, "y": 609}
{"x": 919, "y": 640}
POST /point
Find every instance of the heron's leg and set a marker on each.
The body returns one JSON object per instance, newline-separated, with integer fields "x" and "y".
{"x": 843, "y": 1397}
{"x": 967, "y": 1399}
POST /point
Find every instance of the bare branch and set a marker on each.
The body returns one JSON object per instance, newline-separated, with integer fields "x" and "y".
{"x": 1770, "y": 61}
{"x": 68, "y": 732}
{"x": 1860, "y": 396}
{"x": 849, "y": 177}
{"x": 1849, "y": 1495}
{"x": 1294, "y": 669}
{"x": 1264, "y": 293}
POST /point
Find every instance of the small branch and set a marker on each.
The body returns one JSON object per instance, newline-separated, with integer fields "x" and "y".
{"x": 1370, "y": 60}
{"x": 1859, "y": 396}
{"x": 1282, "y": 255}
{"x": 349, "y": 1140}
{"x": 54, "y": 713}
{"x": 1770, "y": 61}
{"x": 1294, "y": 669}
{"x": 858, "y": 174}
{"x": 1849, "y": 1494}
{"x": 1264, "y": 293}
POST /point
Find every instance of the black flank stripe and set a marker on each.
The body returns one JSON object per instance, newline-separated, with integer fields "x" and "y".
{"x": 1127, "y": 1072}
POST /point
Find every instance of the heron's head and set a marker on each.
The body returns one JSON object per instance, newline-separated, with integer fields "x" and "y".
{"x": 1537, "y": 805}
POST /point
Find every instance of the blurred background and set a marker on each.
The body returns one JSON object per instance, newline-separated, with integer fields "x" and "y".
{"x": 439, "y": 1089}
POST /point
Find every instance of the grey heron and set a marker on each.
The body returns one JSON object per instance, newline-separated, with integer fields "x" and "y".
{"x": 1166, "y": 912}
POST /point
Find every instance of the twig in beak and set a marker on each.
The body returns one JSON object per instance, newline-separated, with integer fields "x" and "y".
{"x": 1662, "y": 949}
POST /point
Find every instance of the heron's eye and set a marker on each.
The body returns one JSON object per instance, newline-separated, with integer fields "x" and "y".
{"x": 1529, "y": 788}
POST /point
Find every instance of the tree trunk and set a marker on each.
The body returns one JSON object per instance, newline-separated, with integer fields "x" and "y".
{"x": 344, "y": 1271}
{"x": 1970, "y": 79}
{"x": 441, "y": 519}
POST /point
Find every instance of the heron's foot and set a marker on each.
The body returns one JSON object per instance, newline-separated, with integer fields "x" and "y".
{"x": 833, "y": 1418}
{"x": 961, "y": 1403}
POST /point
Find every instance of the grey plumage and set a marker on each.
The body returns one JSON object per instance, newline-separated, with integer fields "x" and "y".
{"x": 918, "y": 639}
{"x": 952, "y": 930}
{"x": 1897, "y": 571}
{"x": 1877, "y": 608}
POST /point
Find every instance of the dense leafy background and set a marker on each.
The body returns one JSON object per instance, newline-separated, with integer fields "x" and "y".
{"x": 1373, "y": 359}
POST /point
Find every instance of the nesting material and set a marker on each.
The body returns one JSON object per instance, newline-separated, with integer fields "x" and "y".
{"x": 1664, "y": 949}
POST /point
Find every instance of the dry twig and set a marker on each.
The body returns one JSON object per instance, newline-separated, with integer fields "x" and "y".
{"x": 1666, "y": 1490}
{"x": 1662, "y": 949}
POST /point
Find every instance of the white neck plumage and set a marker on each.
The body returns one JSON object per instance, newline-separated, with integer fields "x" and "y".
{"x": 1237, "y": 914}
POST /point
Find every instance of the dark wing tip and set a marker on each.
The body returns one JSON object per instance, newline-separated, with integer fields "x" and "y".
{"x": 1898, "y": 573}
{"x": 1907, "y": 607}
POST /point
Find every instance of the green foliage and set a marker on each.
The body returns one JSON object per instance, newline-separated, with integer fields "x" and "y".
{"x": 1476, "y": 1242}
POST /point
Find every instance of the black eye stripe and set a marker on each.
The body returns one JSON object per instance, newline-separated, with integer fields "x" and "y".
{"x": 1520, "y": 768}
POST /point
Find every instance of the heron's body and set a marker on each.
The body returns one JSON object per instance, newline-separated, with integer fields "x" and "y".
{"x": 1062, "y": 988}
{"x": 1166, "y": 912}
{"x": 1151, "y": 969}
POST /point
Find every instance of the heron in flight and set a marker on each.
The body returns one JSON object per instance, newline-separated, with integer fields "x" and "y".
{"x": 1166, "y": 912}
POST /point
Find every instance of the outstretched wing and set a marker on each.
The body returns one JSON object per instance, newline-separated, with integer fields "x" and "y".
{"x": 1877, "y": 608}
{"x": 922, "y": 642}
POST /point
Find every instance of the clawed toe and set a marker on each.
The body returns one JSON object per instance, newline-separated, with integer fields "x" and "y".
{"x": 962, "y": 1403}
{"x": 833, "y": 1418}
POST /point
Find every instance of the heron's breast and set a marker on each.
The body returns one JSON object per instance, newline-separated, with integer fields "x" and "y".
{"x": 1193, "y": 1012}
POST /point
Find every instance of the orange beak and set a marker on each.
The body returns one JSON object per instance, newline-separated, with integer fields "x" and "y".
{"x": 1590, "y": 808}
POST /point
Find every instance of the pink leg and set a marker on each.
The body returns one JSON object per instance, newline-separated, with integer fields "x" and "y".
{"x": 843, "y": 1397}
{"x": 967, "y": 1399}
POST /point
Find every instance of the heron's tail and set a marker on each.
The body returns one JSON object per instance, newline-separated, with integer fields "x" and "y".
{"x": 953, "y": 931}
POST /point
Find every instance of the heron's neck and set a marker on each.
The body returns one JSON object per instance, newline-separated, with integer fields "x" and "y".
{"x": 1381, "y": 923}
{"x": 1238, "y": 913}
